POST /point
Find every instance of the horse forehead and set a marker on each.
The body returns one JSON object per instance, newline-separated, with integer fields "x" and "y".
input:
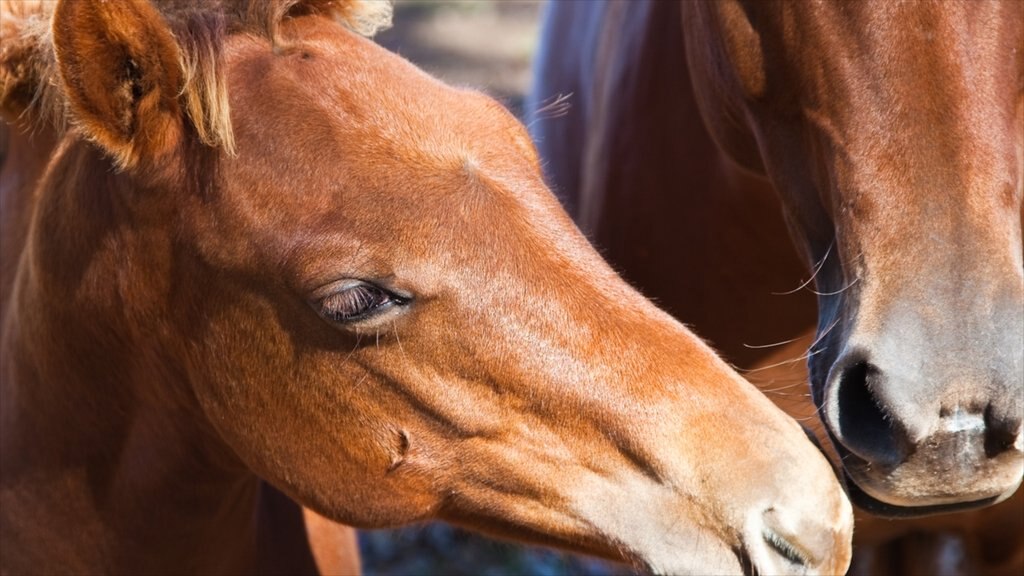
{"x": 343, "y": 96}
{"x": 348, "y": 71}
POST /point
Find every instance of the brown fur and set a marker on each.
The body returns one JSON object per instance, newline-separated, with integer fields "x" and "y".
{"x": 169, "y": 348}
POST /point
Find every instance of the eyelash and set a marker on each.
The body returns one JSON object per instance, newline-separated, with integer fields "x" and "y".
{"x": 358, "y": 302}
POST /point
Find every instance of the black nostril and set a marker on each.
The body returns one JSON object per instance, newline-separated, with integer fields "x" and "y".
{"x": 866, "y": 429}
{"x": 1000, "y": 433}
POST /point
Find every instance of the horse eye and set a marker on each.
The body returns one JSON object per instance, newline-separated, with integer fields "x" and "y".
{"x": 357, "y": 302}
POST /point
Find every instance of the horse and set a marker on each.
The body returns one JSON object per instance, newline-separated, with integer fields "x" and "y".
{"x": 265, "y": 277}
{"x": 690, "y": 139}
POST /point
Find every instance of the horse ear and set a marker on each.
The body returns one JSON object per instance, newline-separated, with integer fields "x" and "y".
{"x": 21, "y": 70}
{"x": 120, "y": 69}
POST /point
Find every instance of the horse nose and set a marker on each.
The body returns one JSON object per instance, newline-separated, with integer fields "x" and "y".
{"x": 1002, "y": 432}
{"x": 853, "y": 410}
{"x": 885, "y": 432}
{"x": 912, "y": 437}
{"x": 789, "y": 543}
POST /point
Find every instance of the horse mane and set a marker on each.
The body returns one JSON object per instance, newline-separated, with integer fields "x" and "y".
{"x": 30, "y": 86}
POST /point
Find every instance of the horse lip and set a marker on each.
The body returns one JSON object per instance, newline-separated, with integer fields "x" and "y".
{"x": 861, "y": 499}
{"x": 870, "y": 504}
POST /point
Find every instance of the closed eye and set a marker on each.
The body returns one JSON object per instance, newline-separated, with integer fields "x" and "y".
{"x": 358, "y": 301}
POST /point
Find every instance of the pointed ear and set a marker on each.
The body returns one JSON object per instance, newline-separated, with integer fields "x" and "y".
{"x": 120, "y": 69}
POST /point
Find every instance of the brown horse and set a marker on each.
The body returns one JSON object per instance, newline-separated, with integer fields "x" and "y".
{"x": 269, "y": 249}
{"x": 892, "y": 135}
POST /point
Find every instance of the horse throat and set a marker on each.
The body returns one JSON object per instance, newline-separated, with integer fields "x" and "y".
{"x": 106, "y": 454}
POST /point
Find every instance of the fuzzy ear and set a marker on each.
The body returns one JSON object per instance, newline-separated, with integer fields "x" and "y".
{"x": 22, "y": 61}
{"x": 120, "y": 69}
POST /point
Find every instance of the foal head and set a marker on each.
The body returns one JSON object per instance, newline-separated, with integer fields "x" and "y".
{"x": 379, "y": 308}
{"x": 895, "y": 134}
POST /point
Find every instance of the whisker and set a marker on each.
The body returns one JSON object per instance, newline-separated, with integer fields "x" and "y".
{"x": 824, "y": 333}
{"x": 772, "y": 345}
{"x": 361, "y": 378}
{"x": 778, "y": 390}
{"x": 556, "y": 107}
{"x": 840, "y": 291}
{"x": 814, "y": 273}
{"x": 784, "y": 362}
{"x": 805, "y": 418}
{"x": 359, "y": 338}
{"x": 394, "y": 328}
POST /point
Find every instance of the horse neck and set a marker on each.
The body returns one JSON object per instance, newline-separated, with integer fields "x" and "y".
{"x": 24, "y": 153}
{"x": 99, "y": 430}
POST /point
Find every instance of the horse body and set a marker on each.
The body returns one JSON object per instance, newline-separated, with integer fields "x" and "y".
{"x": 376, "y": 308}
{"x": 892, "y": 133}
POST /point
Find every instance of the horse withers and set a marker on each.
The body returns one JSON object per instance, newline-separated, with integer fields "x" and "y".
{"x": 893, "y": 133}
{"x": 268, "y": 249}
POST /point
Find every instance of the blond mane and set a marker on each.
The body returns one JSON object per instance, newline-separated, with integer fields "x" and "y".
{"x": 30, "y": 87}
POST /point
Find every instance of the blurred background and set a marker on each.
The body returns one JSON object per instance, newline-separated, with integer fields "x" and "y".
{"x": 488, "y": 45}
{"x": 485, "y": 44}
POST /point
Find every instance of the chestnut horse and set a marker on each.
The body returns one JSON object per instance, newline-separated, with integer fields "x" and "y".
{"x": 892, "y": 136}
{"x": 268, "y": 250}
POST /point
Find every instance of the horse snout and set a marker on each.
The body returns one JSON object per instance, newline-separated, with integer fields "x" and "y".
{"x": 803, "y": 524}
{"x": 913, "y": 439}
{"x": 783, "y": 541}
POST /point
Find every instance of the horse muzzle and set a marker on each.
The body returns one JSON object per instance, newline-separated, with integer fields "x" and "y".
{"x": 911, "y": 450}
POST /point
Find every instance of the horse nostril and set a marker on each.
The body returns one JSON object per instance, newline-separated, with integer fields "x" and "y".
{"x": 783, "y": 547}
{"x": 797, "y": 543}
{"x": 1001, "y": 434}
{"x": 863, "y": 425}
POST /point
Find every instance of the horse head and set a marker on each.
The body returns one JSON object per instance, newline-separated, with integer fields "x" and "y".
{"x": 894, "y": 133}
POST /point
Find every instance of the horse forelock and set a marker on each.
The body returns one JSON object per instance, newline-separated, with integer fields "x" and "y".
{"x": 28, "y": 69}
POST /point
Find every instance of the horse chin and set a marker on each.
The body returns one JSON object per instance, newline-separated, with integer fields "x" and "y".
{"x": 879, "y": 497}
{"x": 872, "y": 505}
{"x": 927, "y": 483}
{"x": 723, "y": 561}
